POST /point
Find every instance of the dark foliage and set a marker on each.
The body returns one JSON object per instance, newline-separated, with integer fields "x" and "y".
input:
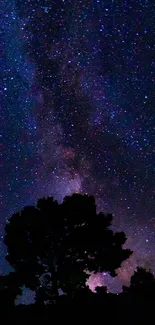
{"x": 9, "y": 289}
{"x": 142, "y": 287}
{"x": 51, "y": 246}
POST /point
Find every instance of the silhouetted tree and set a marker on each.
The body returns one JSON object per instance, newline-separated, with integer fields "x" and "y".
{"x": 51, "y": 246}
{"x": 142, "y": 286}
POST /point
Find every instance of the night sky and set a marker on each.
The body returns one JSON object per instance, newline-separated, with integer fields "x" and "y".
{"x": 77, "y": 115}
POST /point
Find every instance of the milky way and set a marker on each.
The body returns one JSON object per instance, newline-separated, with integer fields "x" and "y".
{"x": 76, "y": 112}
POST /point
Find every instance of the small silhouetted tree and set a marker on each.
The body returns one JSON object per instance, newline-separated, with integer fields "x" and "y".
{"x": 51, "y": 246}
{"x": 142, "y": 286}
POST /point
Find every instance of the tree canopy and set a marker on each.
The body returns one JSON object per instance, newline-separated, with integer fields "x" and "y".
{"x": 52, "y": 246}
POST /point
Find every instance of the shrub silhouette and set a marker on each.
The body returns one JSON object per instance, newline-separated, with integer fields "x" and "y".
{"x": 9, "y": 289}
{"x": 142, "y": 286}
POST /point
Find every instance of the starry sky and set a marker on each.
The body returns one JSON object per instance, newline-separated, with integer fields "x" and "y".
{"x": 76, "y": 112}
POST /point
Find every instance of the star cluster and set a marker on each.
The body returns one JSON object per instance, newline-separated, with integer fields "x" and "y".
{"x": 77, "y": 94}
